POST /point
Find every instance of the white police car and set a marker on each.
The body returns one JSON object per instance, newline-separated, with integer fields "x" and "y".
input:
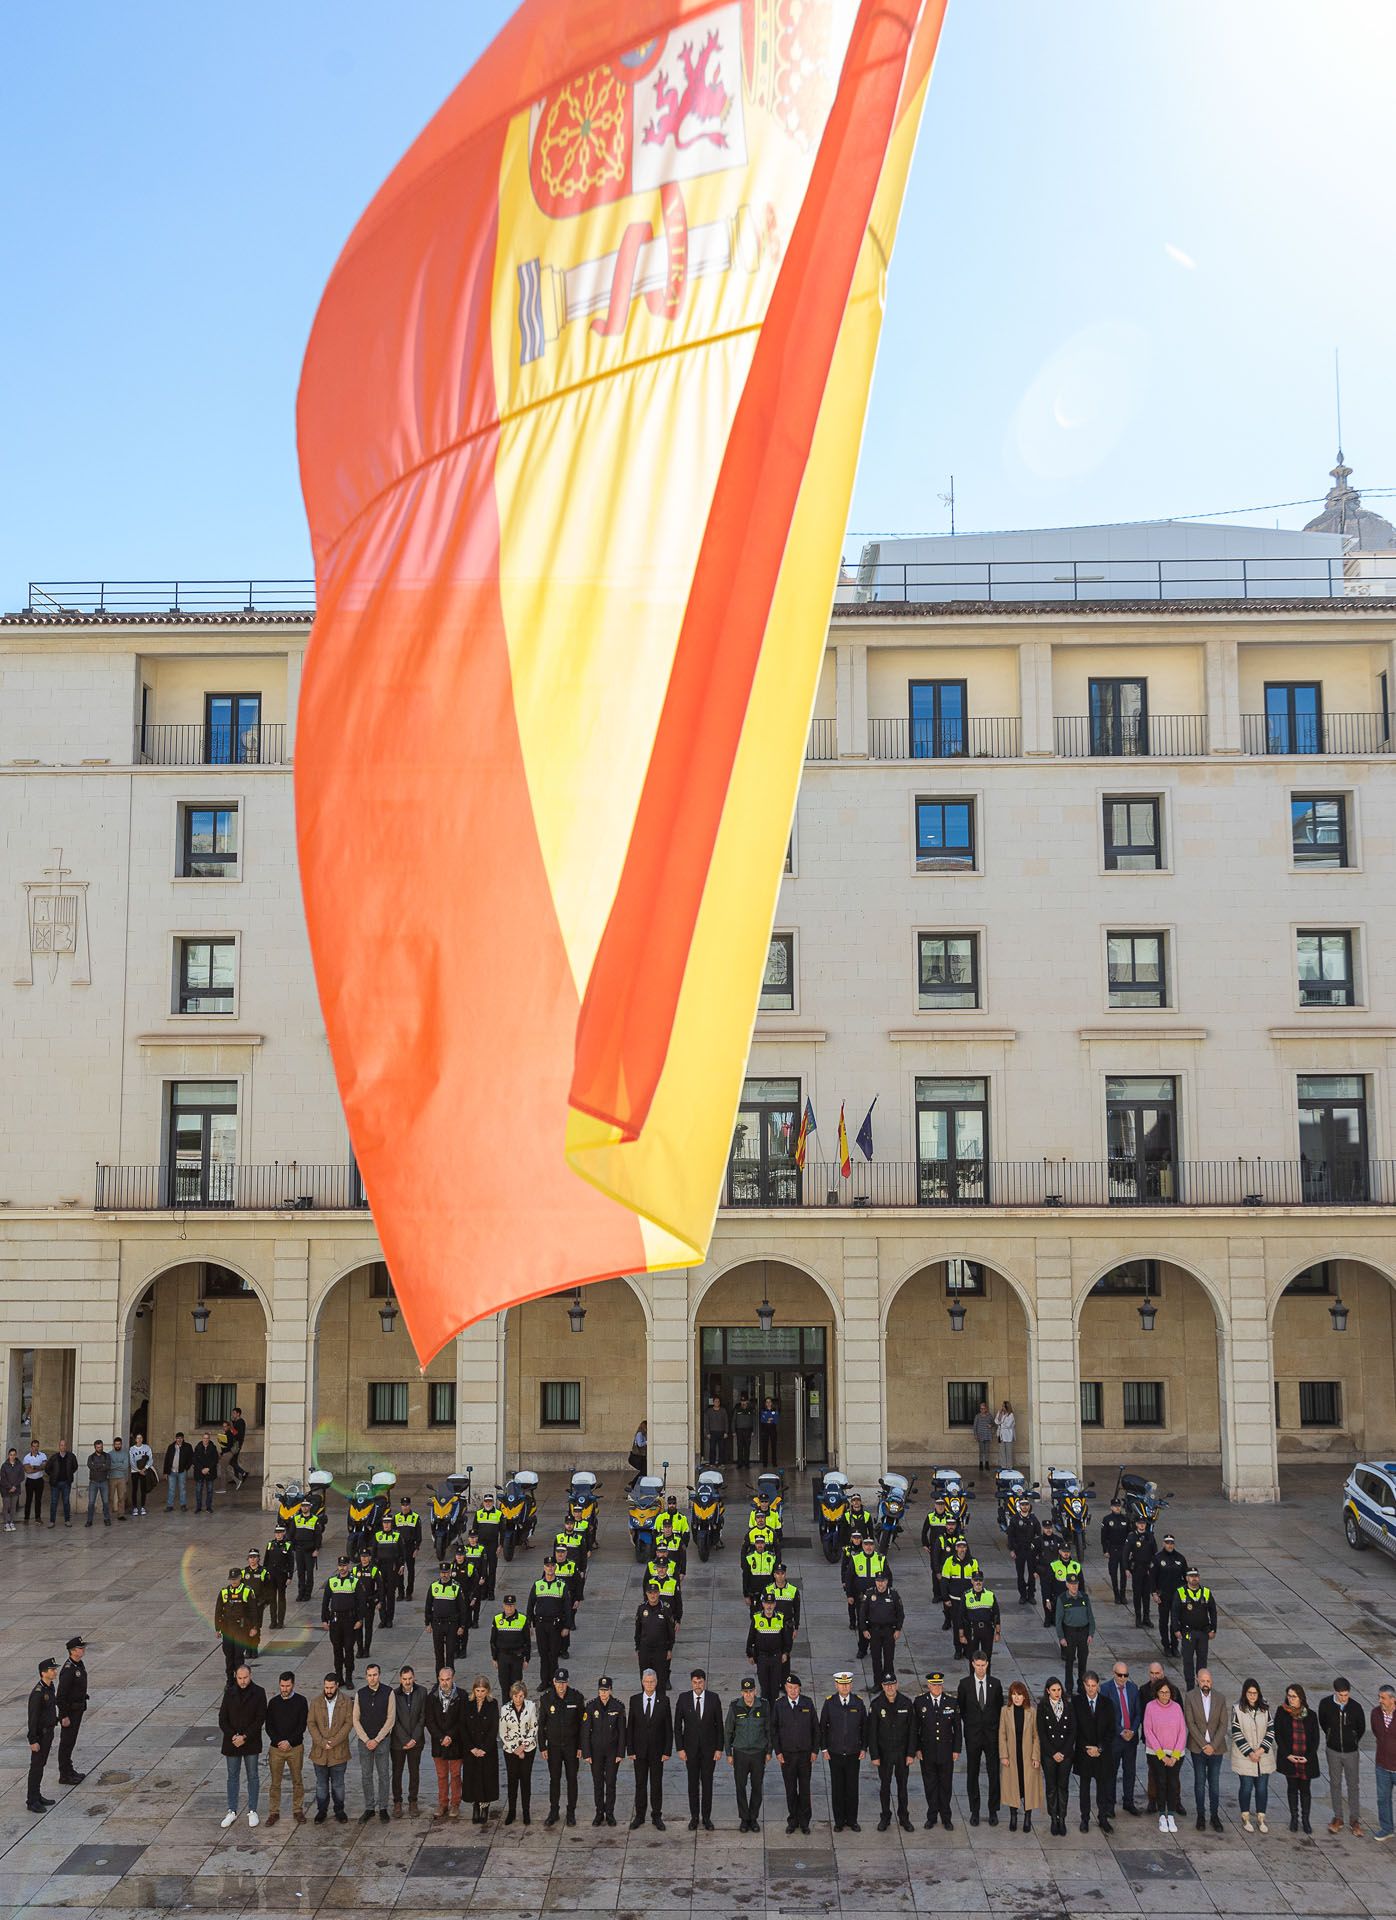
{"x": 1369, "y": 1505}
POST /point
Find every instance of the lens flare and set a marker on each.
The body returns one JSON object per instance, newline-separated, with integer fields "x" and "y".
{"x": 203, "y": 1570}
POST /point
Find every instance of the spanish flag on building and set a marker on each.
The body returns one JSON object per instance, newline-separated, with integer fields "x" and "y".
{"x": 578, "y": 425}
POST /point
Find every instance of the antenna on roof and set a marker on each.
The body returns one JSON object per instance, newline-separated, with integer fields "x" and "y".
{"x": 1338, "y": 399}
{"x": 948, "y": 500}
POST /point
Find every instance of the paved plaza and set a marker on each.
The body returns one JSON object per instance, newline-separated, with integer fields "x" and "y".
{"x": 142, "y": 1834}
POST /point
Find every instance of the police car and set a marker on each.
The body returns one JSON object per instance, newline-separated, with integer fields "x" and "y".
{"x": 1369, "y": 1505}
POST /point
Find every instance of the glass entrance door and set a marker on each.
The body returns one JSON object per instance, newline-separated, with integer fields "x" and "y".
{"x": 203, "y": 1143}
{"x": 762, "y": 1170}
{"x": 1333, "y": 1137}
{"x": 788, "y": 1365}
{"x": 1119, "y": 717}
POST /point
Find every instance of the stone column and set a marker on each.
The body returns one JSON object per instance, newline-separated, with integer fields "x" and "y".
{"x": 480, "y": 1388}
{"x": 862, "y": 1438}
{"x": 1246, "y": 1361}
{"x": 294, "y": 661}
{"x": 851, "y": 700}
{"x": 669, "y": 1382}
{"x": 1053, "y": 1370}
{"x": 1035, "y": 698}
{"x": 1223, "y": 697}
{"x": 290, "y": 1422}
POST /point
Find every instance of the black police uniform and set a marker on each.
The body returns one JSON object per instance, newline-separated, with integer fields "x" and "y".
{"x": 880, "y": 1620}
{"x": 511, "y": 1646}
{"x": 72, "y": 1705}
{"x": 936, "y": 1730}
{"x": 305, "y": 1534}
{"x": 1114, "y": 1538}
{"x": 387, "y": 1556}
{"x": 472, "y": 1567}
{"x": 444, "y": 1614}
{"x": 1195, "y": 1611}
{"x": 654, "y": 1640}
{"x": 280, "y": 1562}
{"x": 843, "y": 1733}
{"x": 549, "y": 1610}
{"x": 794, "y": 1733}
{"x": 603, "y": 1746}
{"x": 42, "y": 1719}
{"x": 1170, "y": 1571}
{"x": 977, "y": 1622}
{"x": 891, "y": 1743}
{"x": 234, "y": 1616}
{"x": 339, "y": 1609}
{"x": 560, "y": 1737}
{"x": 488, "y": 1523}
{"x": 409, "y": 1526}
{"x": 1141, "y": 1551}
{"x": 768, "y": 1644}
{"x": 370, "y": 1586}
{"x": 1025, "y": 1543}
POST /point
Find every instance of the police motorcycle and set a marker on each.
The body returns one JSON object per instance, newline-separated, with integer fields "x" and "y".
{"x": 707, "y": 1511}
{"x": 584, "y": 1505}
{"x": 947, "y": 1485}
{"x": 450, "y": 1504}
{"x": 1141, "y": 1498}
{"x": 646, "y": 1499}
{"x": 894, "y": 1491}
{"x": 1071, "y": 1505}
{"x": 831, "y": 1511}
{"x": 291, "y": 1493}
{"x": 1012, "y": 1496}
{"x": 519, "y": 1504}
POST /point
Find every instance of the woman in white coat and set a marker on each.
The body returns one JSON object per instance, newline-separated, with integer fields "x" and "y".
{"x": 1253, "y": 1753}
{"x": 1006, "y": 1427}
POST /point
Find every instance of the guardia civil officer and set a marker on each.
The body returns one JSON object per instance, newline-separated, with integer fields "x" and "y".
{"x": 43, "y": 1718}
{"x": 72, "y": 1705}
{"x": 794, "y": 1734}
{"x": 560, "y": 1711}
{"x": 843, "y": 1734}
{"x": 936, "y": 1736}
{"x": 603, "y": 1746}
{"x": 747, "y": 1738}
{"x": 891, "y": 1743}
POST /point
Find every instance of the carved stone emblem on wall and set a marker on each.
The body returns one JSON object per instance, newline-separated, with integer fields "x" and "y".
{"x": 54, "y": 934}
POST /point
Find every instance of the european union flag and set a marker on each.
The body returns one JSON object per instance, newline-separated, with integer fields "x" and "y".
{"x": 864, "y": 1136}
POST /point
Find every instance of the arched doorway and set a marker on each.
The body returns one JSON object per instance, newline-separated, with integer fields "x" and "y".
{"x": 197, "y": 1353}
{"x": 575, "y": 1398}
{"x": 792, "y": 1363}
{"x": 1148, "y": 1350}
{"x": 1335, "y": 1372}
{"x": 936, "y": 1376}
{"x": 374, "y": 1409}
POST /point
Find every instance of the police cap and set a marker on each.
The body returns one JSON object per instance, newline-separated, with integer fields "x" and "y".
{"x": 75, "y": 1642}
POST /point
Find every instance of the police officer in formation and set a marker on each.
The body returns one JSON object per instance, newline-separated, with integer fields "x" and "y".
{"x": 881, "y": 1618}
{"x": 1169, "y": 1572}
{"x": 654, "y": 1635}
{"x": 444, "y": 1616}
{"x": 42, "y": 1719}
{"x": 279, "y": 1561}
{"x": 550, "y": 1616}
{"x": 1025, "y": 1545}
{"x": 339, "y": 1615}
{"x": 1114, "y": 1541}
{"x": 936, "y": 1736}
{"x": 511, "y": 1645}
{"x": 977, "y": 1627}
{"x": 891, "y": 1743}
{"x": 768, "y": 1645}
{"x": 603, "y": 1747}
{"x": 795, "y": 1736}
{"x": 560, "y": 1711}
{"x": 843, "y": 1735}
{"x": 72, "y": 1705}
{"x": 234, "y": 1619}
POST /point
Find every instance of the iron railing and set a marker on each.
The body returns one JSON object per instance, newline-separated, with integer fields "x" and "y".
{"x": 936, "y": 582}
{"x": 1331, "y": 733}
{"x": 823, "y": 740}
{"x": 171, "y": 596}
{"x": 288, "y": 1186}
{"x": 987, "y": 738}
{"x": 1119, "y": 1182}
{"x": 194, "y": 745}
{"x": 1179, "y": 736}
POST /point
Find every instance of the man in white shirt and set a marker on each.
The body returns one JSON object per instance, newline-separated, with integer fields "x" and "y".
{"x": 34, "y": 1463}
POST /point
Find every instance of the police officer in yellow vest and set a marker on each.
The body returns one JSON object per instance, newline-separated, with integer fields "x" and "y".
{"x": 550, "y": 1616}
{"x": 861, "y": 1565}
{"x": 408, "y": 1522}
{"x": 768, "y": 1647}
{"x": 511, "y": 1647}
{"x": 305, "y": 1539}
{"x": 758, "y": 1564}
{"x": 978, "y": 1626}
{"x": 786, "y": 1595}
{"x": 444, "y": 1615}
{"x": 339, "y": 1614}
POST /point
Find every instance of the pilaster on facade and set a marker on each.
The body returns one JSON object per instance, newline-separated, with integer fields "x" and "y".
{"x": 480, "y": 1381}
{"x": 862, "y": 1414}
{"x": 289, "y": 1431}
{"x": 669, "y": 1388}
{"x": 851, "y": 700}
{"x": 1035, "y": 692}
{"x": 1223, "y": 684}
{"x": 1250, "y": 1464}
{"x": 1053, "y": 1368}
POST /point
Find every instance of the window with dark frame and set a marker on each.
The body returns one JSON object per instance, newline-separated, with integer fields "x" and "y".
{"x": 937, "y": 713}
{"x": 380, "y": 1286}
{"x": 1320, "y": 1403}
{"x": 207, "y": 975}
{"x": 1092, "y": 1403}
{"x": 778, "y": 981}
{"x": 1333, "y": 1137}
{"x": 387, "y": 1403}
{"x": 1119, "y": 717}
{"x": 1318, "y": 828}
{"x": 1293, "y": 716}
{"x": 441, "y": 1403}
{"x": 221, "y": 1283}
{"x": 208, "y": 842}
{"x": 947, "y": 971}
{"x": 1143, "y": 1403}
{"x": 1325, "y": 968}
{"x": 790, "y": 852}
{"x": 1138, "y": 969}
{"x": 214, "y": 1402}
{"x": 965, "y": 1279}
{"x": 259, "y": 1404}
{"x": 560, "y": 1403}
{"x": 945, "y": 839}
{"x": 1133, "y": 833}
{"x": 1315, "y": 1279}
{"x": 232, "y": 729}
{"x": 1130, "y": 1277}
{"x": 962, "y": 1399}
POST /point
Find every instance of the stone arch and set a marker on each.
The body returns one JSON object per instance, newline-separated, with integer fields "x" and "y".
{"x": 369, "y": 1403}
{"x": 712, "y": 1274}
{"x": 1220, "y": 1305}
{"x": 812, "y": 1388}
{"x": 1005, "y": 1272}
{"x": 607, "y": 1362}
{"x": 924, "y": 1365}
{"x": 1335, "y": 1392}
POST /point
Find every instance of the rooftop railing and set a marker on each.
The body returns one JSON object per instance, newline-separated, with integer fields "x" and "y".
{"x": 170, "y": 596}
{"x": 941, "y": 582}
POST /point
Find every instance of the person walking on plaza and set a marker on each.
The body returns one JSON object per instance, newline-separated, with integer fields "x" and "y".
{"x": 479, "y": 1733}
{"x": 72, "y": 1693}
{"x": 1252, "y": 1753}
{"x": 985, "y": 1428}
{"x": 1129, "y": 1714}
{"x": 1056, "y": 1739}
{"x": 1095, "y": 1751}
{"x": 1006, "y": 1426}
{"x": 560, "y": 1710}
{"x": 1343, "y": 1723}
{"x": 794, "y": 1736}
{"x": 42, "y": 1719}
{"x": 1020, "y": 1757}
{"x": 34, "y": 1463}
{"x": 768, "y": 1431}
{"x": 1075, "y": 1622}
{"x": 518, "y": 1735}
{"x": 374, "y": 1715}
{"x": 142, "y": 1474}
{"x": 1195, "y": 1614}
{"x": 1165, "y": 1740}
{"x": 843, "y": 1735}
{"x": 603, "y": 1748}
{"x": 409, "y": 1733}
{"x": 205, "y": 1472}
{"x": 698, "y": 1741}
{"x": 445, "y": 1724}
{"x": 11, "y": 1486}
{"x": 936, "y": 1737}
{"x": 649, "y": 1737}
{"x": 62, "y": 1470}
{"x": 1114, "y": 1539}
{"x": 329, "y": 1724}
{"x": 1297, "y": 1754}
{"x": 1383, "y": 1725}
{"x": 979, "y": 1702}
{"x": 241, "y": 1718}
{"x": 1207, "y": 1715}
{"x": 284, "y": 1729}
{"x": 179, "y": 1464}
{"x": 119, "y": 1478}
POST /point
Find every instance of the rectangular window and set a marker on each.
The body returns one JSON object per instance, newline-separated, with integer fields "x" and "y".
{"x": 937, "y": 718}
{"x": 962, "y": 1399}
{"x": 1092, "y": 1404}
{"x": 778, "y": 981}
{"x": 203, "y": 1143}
{"x": 1130, "y": 1277}
{"x": 1325, "y": 970}
{"x": 560, "y": 1403}
{"x": 232, "y": 729}
{"x": 1318, "y": 828}
{"x": 208, "y": 842}
{"x": 221, "y": 1283}
{"x": 762, "y": 1170}
{"x": 790, "y": 852}
{"x": 1333, "y": 1137}
{"x": 1143, "y": 1403}
{"x": 214, "y": 1403}
{"x": 1293, "y": 716}
{"x": 952, "y": 1140}
{"x": 441, "y": 1403}
{"x": 964, "y": 1277}
{"x": 1320, "y": 1403}
{"x": 1141, "y": 1133}
{"x": 947, "y": 971}
{"x": 259, "y": 1411}
{"x": 1133, "y": 833}
{"x": 387, "y": 1403}
{"x": 1138, "y": 975}
{"x": 1315, "y": 1279}
{"x": 207, "y": 975}
{"x": 945, "y": 836}
{"x": 1119, "y": 718}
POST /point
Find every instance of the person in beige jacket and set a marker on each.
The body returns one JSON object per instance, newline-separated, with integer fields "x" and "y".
{"x": 329, "y": 1724}
{"x": 1207, "y": 1717}
{"x": 1020, "y": 1757}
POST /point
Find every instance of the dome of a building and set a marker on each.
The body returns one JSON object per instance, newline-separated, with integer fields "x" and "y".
{"x": 1344, "y": 513}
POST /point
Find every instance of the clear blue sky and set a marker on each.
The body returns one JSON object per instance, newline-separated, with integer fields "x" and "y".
{"x": 1135, "y": 232}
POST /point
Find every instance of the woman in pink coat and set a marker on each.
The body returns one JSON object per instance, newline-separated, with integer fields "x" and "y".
{"x": 1165, "y": 1741}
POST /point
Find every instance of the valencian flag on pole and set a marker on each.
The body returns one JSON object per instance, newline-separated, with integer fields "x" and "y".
{"x": 845, "y": 1159}
{"x": 807, "y": 1127}
{"x": 578, "y": 425}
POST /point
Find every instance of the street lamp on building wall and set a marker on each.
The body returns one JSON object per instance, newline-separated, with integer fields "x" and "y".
{"x": 765, "y": 1313}
{"x": 387, "y": 1313}
{"x": 1338, "y": 1314}
{"x": 576, "y": 1312}
{"x": 1148, "y": 1312}
{"x": 199, "y": 1315}
{"x": 956, "y": 1310}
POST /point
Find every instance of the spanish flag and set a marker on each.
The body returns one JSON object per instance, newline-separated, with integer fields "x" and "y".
{"x": 845, "y": 1159}
{"x": 578, "y": 424}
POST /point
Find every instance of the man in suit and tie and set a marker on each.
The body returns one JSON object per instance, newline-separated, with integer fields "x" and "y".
{"x": 649, "y": 1736}
{"x": 980, "y": 1700}
{"x": 1123, "y": 1696}
{"x": 698, "y": 1742}
{"x": 1095, "y": 1750}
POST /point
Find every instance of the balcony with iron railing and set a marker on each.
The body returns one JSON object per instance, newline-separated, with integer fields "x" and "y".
{"x": 988, "y": 738}
{"x": 823, "y": 741}
{"x": 196, "y": 745}
{"x": 1168, "y": 736}
{"x": 287, "y": 1186}
{"x": 1338, "y": 735}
